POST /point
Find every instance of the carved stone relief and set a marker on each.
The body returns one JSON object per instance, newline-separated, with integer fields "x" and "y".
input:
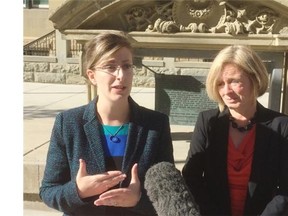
{"x": 205, "y": 16}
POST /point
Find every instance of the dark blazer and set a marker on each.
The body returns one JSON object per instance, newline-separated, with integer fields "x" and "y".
{"x": 208, "y": 155}
{"x": 77, "y": 134}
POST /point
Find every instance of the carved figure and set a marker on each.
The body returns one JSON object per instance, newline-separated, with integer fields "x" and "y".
{"x": 163, "y": 26}
{"x": 164, "y": 23}
{"x": 137, "y": 18}
{"x": 229, "y": 22}
{"x": 193, "y": 27}
{"x": 199, "y": 8}
{"x": 263, "y": 23}
{"x": 165, "y": 11}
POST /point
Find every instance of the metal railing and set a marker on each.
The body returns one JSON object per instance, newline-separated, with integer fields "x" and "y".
{"x": 46, "y": 46}
{"x": 74, "y": 49}
{"x": 43, "y": 46}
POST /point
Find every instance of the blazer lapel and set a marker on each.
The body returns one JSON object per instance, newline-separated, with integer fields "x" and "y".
{"x": 219, "y": 154}
{"x": 262, "y": 140}
{"x": 133, "y": 141}
{"x": 220, "y": 139}
{"x": 135, "y": 133}
{"x": 218, "y": 129}
{"x": 93, "y": 133}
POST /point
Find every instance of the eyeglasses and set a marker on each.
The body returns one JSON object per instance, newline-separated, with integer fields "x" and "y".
{"x": 114, "y": 69}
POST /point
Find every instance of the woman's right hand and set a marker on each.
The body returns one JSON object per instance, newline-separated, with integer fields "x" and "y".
{"x": 91, "y": 185}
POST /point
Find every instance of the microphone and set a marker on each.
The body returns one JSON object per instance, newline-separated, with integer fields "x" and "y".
{"x": 168, "y": 191}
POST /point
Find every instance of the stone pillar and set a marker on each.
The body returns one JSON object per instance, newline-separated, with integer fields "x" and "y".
{"x": 61, "y": 48}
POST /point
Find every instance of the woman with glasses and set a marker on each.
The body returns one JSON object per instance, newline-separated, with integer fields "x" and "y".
{"x": 238, "y": 158}
{"x": 99, "y": 153}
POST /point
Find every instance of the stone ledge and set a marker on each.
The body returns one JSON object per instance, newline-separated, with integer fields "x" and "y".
{"x": 40, "y": 208}
{"x": 31, "y": 197}
{"x": 33, "y": 174}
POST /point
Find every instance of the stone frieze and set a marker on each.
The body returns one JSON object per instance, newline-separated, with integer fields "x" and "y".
{"x": 206, "y": 16}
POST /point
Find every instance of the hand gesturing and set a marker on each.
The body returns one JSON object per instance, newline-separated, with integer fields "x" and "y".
{"x": 124, "y": 197}
{"x": 91, "y": 185}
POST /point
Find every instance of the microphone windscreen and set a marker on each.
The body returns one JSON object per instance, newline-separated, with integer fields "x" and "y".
{"x": 168, "y": 191}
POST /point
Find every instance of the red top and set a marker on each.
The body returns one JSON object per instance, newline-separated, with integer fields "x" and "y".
{"x": 239, "y": 169}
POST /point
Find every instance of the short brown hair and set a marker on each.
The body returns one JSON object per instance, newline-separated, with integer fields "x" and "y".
{"x": 103, "y": 45}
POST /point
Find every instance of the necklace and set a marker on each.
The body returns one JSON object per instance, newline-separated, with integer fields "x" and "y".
{"x": 245, "y": 128}
{"x": 113, "y": 137}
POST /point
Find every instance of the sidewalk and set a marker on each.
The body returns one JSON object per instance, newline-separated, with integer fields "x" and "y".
{"x": 42, "y": 102}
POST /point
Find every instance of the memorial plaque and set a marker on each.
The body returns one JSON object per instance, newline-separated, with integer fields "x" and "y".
{"x": 181, "y": 97}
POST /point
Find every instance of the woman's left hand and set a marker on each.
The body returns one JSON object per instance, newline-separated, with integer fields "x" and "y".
{"x": 122, "y": 197}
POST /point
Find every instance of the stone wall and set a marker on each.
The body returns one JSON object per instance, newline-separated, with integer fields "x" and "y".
{"x": 47, "y": 70}
{"x": 50, "y": 72}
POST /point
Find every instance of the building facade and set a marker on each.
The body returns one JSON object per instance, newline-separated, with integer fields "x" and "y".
{"x": 176, "y": 38}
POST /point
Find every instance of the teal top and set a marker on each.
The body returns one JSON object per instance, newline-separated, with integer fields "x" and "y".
{"x": 115, "y": 145}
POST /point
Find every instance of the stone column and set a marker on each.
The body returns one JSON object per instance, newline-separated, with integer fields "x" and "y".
{"x": 61, "y": 48}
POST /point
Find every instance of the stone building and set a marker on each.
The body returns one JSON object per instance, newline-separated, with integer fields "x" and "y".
{"x": 174, "y": 41}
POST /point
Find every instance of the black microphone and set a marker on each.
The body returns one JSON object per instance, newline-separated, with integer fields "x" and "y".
{"x": 277, "y": 206}
{"x": 168, "y": 191}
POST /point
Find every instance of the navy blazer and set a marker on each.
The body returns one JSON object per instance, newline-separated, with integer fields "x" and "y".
{"x": 77, "y": 134}
{"x": 205, "y": 169}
